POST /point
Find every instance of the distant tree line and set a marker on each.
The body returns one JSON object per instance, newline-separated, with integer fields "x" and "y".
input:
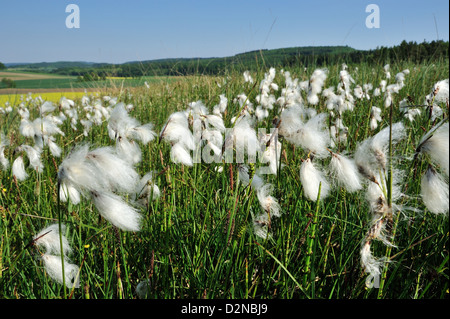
{"x": 93, "y": 75}
{"x": 135, "y": 70}
{"x": 407, "y": 51}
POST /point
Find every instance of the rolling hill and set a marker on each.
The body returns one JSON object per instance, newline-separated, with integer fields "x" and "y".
{"x": 175, "y": 66}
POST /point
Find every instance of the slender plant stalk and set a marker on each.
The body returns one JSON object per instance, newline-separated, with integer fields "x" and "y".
{"x": 389, "y": 202}
{"x": 389, "y": 182}
{"x": 60, "y": 238}
{"x": 312, "y": 239}
{"x": 388, "y": 254}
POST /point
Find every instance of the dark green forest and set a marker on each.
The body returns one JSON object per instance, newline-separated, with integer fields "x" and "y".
{"x": 253, "y": 61}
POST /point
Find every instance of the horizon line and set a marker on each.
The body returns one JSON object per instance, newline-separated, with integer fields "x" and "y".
{"x": 214, "y": 57}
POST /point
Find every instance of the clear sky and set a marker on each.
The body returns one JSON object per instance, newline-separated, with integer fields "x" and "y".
{"x": 119, "y": 31}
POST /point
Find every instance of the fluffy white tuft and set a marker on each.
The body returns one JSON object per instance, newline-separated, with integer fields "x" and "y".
{"x": 313, "y": 135}
{"x": 439, "y": 93}
{"x": 129, "y": 150}
{"x": 270, "y": 153}
{"x": 434, "y": 192}
{"x": 268, "y": 203}
{"x": 114, "y": 209}
{"x": 261, "y": 226}
{"x": 48, "y": 239}
{"x": 370, "y": 264}
{"x": 436, "y": 144}
{"x": 371, "y": 155}
{"x": 3, "y": 143}
{"x": 291, "y": 120}
{"x": 77, "y": 172}
{"x": 179, "y": 154}
{"x": 18, "y": 169}
{"x": 53, "y": 147}
{"x": 69, "y": 192}
{"x": 311, "y": 178}
{"x": 244, "y": 140}
{"x": 119, "y": 173}
{"x": 34, "y": 157}
{"x": 177, "y": 130}
{"x": 143, "y": 133}
{"x": 316, "y": 83}
{"x": 53, "y": 266}
{"x": 346, "y": 172}
{"x": 147, "y": 190}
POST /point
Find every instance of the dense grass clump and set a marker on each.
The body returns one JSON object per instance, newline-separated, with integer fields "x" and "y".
{"x": 223, "y": 229}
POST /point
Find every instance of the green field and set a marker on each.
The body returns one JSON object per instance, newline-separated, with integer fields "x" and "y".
{"x": 201, "y": 238}
{"x": 40, "y": 81}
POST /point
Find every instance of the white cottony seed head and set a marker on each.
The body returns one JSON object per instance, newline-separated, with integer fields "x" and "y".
{"x": 434, "y": 191}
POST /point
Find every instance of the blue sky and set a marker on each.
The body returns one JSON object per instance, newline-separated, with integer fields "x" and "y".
{"x": 121, "y": 31}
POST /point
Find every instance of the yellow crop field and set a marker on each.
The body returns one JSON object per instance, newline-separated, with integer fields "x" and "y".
{"x": 17, "y": 98}
{"x": 118, "y": 77}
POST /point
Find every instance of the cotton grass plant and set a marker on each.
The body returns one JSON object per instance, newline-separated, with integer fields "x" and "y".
{"x": 56, "y": 245}
{"x": 328, "y": 204}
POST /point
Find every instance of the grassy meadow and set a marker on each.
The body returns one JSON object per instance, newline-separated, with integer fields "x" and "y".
{"x": 198, "y": 238}
{"x": 33, "y": 80}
